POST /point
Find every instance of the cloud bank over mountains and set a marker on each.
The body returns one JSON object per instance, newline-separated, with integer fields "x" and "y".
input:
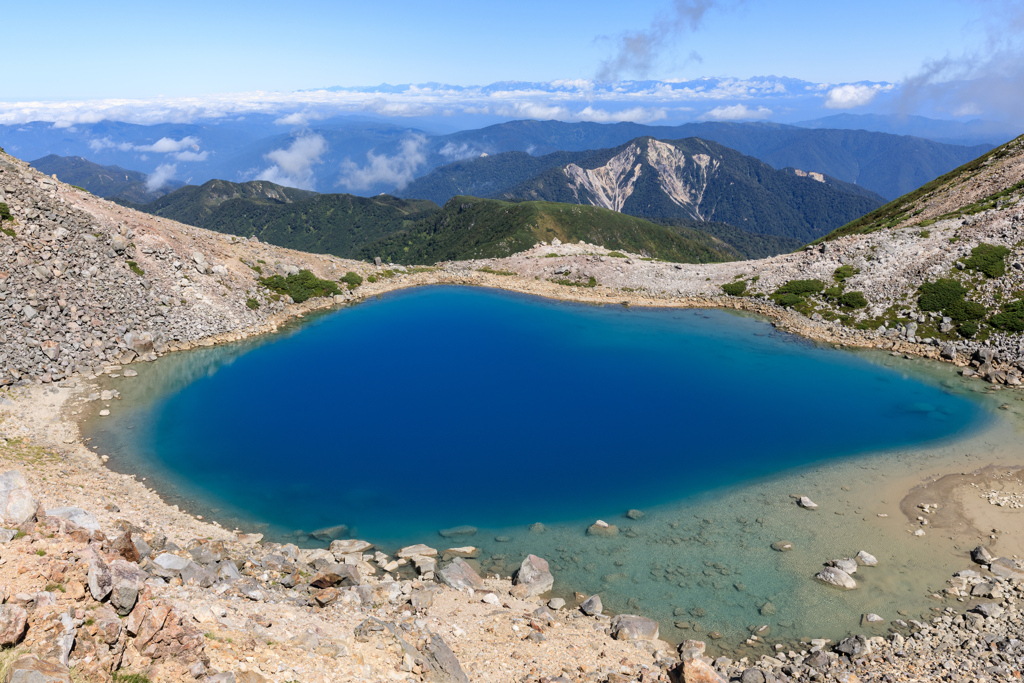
{"x": 770, "y": 97}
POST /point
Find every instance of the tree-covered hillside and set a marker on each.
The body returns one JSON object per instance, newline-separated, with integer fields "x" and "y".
{"x": 468, "y": 227}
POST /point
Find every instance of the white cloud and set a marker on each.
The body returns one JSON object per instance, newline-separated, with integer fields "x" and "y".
{"x": 850, "y": 96}
{"x": 169, "y": 145}
{"x": 293, "y": 167}
{"x": 397, "y": 171}
{"x": 293, "y": 119}
{"x": 159, "y": 177}
{"x": 191, "y": 156}
{"x": 737, "y": 112}
{"x": 453, "y": 152}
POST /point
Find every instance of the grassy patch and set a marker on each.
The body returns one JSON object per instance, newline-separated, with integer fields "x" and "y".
{"x": 5, "y": 215}
{"x": 925, "y": 233}
{"x": 801, "y": 287}
{"x": 616, "y": 254}
{"x": 371, "y": 279}
{"x": 135, "y": 268}
{"x": 118, "y": 677}
{"x": 301, "y": 286}
{"x": 551, "y": 256}
{"x": 488, "y": 269}
{"x": 592, "y": 282}
{"x": 844, "y": 272}
{"x": 735, "y": 288}
{"x": 988, "y": 259}
{"x": 252, "y": 303}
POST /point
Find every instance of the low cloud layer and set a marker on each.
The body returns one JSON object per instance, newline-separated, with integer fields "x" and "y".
{"x": 395, "y": 171}
{"x": 185, "y": 149}
{"x": 737, "y": 112}
{"x": 158, "y": 178}
{"x": 293, "y": 166}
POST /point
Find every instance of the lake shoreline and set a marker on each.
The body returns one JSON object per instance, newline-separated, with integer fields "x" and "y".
{"x": 901, "y": 487}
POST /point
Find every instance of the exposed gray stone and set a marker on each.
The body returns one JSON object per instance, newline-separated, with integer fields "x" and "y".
{"x": 78, "y": 516}
{"x": 633, "y": 627}
{"x": 592, "y": 606}
{"x": 534, "y": 575}
{"x": 17, "y": 505}
{"x": 460, "y": 575}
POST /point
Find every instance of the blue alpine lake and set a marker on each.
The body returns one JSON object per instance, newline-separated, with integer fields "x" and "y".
{"x": 444, "y": 406}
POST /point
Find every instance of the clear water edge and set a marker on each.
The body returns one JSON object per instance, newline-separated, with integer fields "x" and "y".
{"x": 706, "y": 555}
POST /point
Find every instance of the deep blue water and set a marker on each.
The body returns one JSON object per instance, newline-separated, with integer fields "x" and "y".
{"x": 442, "y": 406}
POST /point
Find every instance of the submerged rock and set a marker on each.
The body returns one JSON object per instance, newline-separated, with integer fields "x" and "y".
{"x": 602, "y": 528}
{"x": 464, "y": 530}
{"x": 836, "y": 577}
{"x": 782, "y": 546}
{"x": 459, "y": 574}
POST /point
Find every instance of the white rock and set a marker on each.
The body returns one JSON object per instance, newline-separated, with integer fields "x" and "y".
{"x": 836, "y": 577}
{"x": 872, "y": 617}
{"x": 866, "y": 559}
{"x": 492, "y": 599}
{"x": 807, "y": 503}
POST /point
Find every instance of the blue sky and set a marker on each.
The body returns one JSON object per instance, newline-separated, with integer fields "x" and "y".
{"x": 120, "y": 49}
{"x": 60, "y": 51}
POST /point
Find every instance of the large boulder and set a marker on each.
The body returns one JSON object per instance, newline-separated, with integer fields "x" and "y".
{"x": 592, "y": 606}
{"x": 126, "y": 582}
{"x": 533, "y": 577}
{"x": 31, "y": 669}
{"x": 13, "y": 621}
{"x": 459, "y": 574}
{"x": 1008, "y": 568}
{"x": 139, "y": 342}
{"x": 76, "y": 516}
{"x": 100, "y": 580}
{"x": 632, "y": 627}
{"x": 337, "y": 575}
{"x": 17, "y": 505}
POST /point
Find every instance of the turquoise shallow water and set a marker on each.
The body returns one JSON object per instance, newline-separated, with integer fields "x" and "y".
{"x": 443, "y": 406}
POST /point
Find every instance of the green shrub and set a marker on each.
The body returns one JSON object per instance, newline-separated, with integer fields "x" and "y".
{"x": 965, "y": 310}
{"x": 925, "y": 233}
{"x": 938, "y": 295}
{"x": 371, "y": 279}
{"x": 135, "y": 268}
{"x": 834, "y": 292}
{"x": 853, "y": 300}
{"x": 968, "y": 329}
{"x": 735, "y": 288}
{"x": 1011, "y": 318}
{"x": 843, "y": 272}
{"x": 616, "y": 254}
{"x": 988, "y": 259}
{"x": 789, "y": 300}
{"x": 351, "y": 279}
{"x": 492, "y": 271}
{"x": 252, "y": 303}
{"x": 301, "y": 286}
{"x": 118, "y": 677}
{"x": 592, "y": 282}
{"x": 801, "y": 287}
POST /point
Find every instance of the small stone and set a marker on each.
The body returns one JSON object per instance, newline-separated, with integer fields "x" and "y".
{"x": 491, "y": 599}
{"x": 634, "y": 514}
{"x": 981, "y": 555}
{"x": 556, "y": 603}
{"x": 464, "y": 530}
{"x": 782, "y": 546}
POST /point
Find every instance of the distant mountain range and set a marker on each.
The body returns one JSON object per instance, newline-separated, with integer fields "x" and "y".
{"x": 368, "y": 157}
{"x": 665, "y": 180}
{"x": 969, "y": 133}
{"x": 103, "y": 181}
